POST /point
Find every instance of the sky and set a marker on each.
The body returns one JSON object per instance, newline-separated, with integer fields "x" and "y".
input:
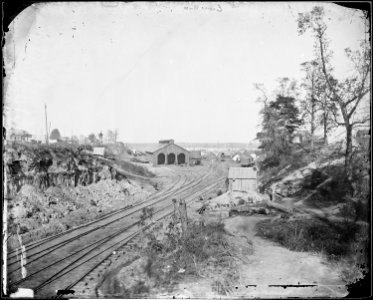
{"x": 158, "y": 70}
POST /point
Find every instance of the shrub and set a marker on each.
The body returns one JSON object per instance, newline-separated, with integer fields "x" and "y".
{"x": 333, "y": 239}
{"x": 193, "y": 251}
{"x": 220, "y": 192}
{"x": 241, "y": 202}
{"x": 132, "y": 168}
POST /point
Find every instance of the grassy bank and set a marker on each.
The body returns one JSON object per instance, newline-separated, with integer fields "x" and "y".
{"x": 342, "y": 242}
{"x": 166, "y": 257}
{"x": 178, "y": 255}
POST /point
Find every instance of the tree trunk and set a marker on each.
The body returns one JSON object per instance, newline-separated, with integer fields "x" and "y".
{"x": 348, "y": 155}
{"x": 348, "y": 151}
{"x": 313, "y": 108}
{"x": 312, "y": 126}
{"x": 325, "y": 127}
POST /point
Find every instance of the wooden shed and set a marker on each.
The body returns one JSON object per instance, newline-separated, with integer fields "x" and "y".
{"x": 195, "y": 157}
{"x": 242, "y": 179}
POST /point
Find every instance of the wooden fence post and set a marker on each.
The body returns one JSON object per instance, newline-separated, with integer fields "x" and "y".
{"x": 183, "y": 216}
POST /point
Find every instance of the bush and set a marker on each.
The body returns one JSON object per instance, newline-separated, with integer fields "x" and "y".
{"x": 132, "y": 168}
{"x": 241, "y": 202}
{"x": 220, "y": 192}
{"x": 334, "y": 239}
{"x": 192, "y": 252}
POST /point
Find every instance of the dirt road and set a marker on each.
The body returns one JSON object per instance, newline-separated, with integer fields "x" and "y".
{"x": 274, "y": 265}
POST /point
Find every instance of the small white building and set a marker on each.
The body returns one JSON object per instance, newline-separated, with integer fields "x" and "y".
{"x": 236, "y": 158}
{"x": 242, "y": 179}
{"x": 100, "y": 151}
{"x": 18, "y": 135}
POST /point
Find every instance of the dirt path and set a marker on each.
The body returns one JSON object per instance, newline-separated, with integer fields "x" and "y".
{"x": 271, "y": 264}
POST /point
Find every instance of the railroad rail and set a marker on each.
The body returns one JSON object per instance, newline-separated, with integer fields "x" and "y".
{"x": 71, "y": 255}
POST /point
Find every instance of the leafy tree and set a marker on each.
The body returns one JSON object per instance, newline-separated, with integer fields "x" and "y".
{"x": 348, "y": 93}
{"x": 101, "y": 136}
{"x": 92, "y": 138}
{"x": 287, "y": 87}
{"x": 55, "y": 134}
{"x": 112, "y": 135}
{"x": 75, "y": 140}
{"x": 280, "y": 120}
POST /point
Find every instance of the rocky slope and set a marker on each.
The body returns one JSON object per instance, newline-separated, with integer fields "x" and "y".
{"x": 53, "y": 188}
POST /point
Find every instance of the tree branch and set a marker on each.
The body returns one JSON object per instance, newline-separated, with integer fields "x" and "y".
{"x": 359, "y": 98}
{"x": 361, "y": 90}
{"x": 335, "y": 119}
{"x": 367, "y": 119}
{"x": 324, "y": 66}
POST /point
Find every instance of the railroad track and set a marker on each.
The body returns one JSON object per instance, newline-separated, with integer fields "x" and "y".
{"x": 72, "y": 254}
{"x": 80, "y": 286}
{"x": 179, "y": 184}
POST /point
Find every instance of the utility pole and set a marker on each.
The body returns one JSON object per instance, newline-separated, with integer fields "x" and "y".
{"x": 46, "y": 126}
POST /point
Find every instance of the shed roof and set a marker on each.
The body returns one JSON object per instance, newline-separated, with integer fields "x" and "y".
{"x": 246, "y": 160}
{"x": 195, "y": 154}
{"x": 153, "y": 147}
{"x": 241, "y": 173}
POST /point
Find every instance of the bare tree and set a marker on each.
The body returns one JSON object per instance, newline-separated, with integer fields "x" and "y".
{"x": 116, "y": 132}
{"x": 309, "y": 104}
{"x": 287, "y": 87}
{"x": 350, "y": 92}
{"x": 112, "y": 136}
{"x": 316, "y": 106}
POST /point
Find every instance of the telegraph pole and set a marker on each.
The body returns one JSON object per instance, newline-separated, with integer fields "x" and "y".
{"x": 46, "y": 126}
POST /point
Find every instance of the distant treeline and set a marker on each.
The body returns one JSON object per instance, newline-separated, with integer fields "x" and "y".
{"x": 140, "y": 146}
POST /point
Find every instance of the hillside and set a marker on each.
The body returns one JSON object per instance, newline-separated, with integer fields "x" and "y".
{"x": 53, "y": 188}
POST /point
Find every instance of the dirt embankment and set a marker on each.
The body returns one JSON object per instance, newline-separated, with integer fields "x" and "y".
{"x": 43, "y": 166}
{"x": 52, "y": 189}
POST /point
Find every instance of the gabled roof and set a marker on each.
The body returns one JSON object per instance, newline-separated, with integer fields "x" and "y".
{"x": 161, "y": 146}
{"x": 241, "y": 173}
{"x": 153, "y": 148}
{"x": 246, "y": 160}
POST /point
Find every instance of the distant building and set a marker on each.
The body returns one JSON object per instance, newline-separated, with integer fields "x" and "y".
{"x": 100, "y": 151}
{"x": 223, "y": 156}
{"x": 236, "y": 157}
{"x": 195, "y": 157}
{"x": 242, "y": 179}
{"x": 246, "y": 161}
{"x": 19, "y": 135}
{"x": 168, "y": 153}
{"x": 243, "y": 159}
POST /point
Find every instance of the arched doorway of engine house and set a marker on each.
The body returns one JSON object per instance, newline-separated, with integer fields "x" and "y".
{"x": 171, "y": 158}
{"x": 181, "y": 158}
{"x": 161, "y": 159}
